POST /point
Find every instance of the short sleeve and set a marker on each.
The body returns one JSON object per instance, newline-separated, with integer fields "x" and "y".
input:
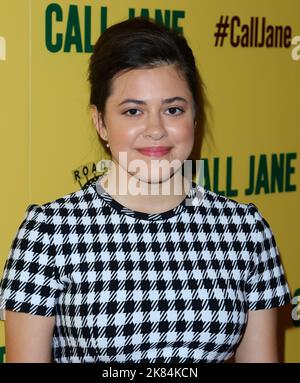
{"x": 28, "y": 284}
{"x": 266, "y": 285}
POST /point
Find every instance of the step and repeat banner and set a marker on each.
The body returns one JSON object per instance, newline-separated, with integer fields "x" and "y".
{"x": 248, "y": 53}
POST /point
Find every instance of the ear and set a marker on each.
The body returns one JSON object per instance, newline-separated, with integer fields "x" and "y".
{"x": 99, "y": 123}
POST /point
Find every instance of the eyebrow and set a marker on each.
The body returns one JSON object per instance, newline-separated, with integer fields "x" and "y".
{"x": 164, "y": 101}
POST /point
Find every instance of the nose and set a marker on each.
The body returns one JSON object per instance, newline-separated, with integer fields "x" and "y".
{"x": 155, "y": 127}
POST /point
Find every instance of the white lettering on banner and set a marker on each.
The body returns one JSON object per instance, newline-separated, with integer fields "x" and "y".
{"x": 2, "y": 49}
{"x": 296, "y": 51}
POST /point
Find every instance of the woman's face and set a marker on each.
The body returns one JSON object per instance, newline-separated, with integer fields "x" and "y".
{"x": 149, "y": 117}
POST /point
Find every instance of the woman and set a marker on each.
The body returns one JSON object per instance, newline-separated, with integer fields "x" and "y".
{"x": 163, "y": 272}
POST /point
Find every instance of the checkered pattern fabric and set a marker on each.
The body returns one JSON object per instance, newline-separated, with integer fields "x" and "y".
{"x": 127, "y": 286}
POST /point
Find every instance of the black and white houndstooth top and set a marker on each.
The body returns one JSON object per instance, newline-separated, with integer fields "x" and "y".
{"x": 127, "y": 286}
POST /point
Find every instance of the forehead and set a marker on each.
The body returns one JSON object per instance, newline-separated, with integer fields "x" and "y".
{"x": 149, "y": 82}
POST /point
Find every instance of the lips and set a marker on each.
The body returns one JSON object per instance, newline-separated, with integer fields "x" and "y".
{"x": 155, "y": 151}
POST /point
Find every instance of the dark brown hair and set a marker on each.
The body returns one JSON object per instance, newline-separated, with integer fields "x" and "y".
{"x": 142, "y": 43}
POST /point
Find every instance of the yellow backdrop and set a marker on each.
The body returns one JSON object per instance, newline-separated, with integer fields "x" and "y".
{"x": 250, "y": 65}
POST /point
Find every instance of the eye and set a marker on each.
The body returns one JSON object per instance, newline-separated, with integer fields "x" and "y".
{"x": 131, "y": 112}
{"x": 173, "y": 110}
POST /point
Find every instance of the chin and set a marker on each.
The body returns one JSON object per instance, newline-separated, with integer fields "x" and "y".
{"x": 154, "y": 178}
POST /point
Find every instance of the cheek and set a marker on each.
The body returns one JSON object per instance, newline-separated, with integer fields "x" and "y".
{"x": 121, "y": 133}
{"x": 185, "y": 135}
{"x": 118, "y": 137}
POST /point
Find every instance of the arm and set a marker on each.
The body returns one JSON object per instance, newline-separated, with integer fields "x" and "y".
{"x": 28, "y": 337}
{"x": 259, "y": 343}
